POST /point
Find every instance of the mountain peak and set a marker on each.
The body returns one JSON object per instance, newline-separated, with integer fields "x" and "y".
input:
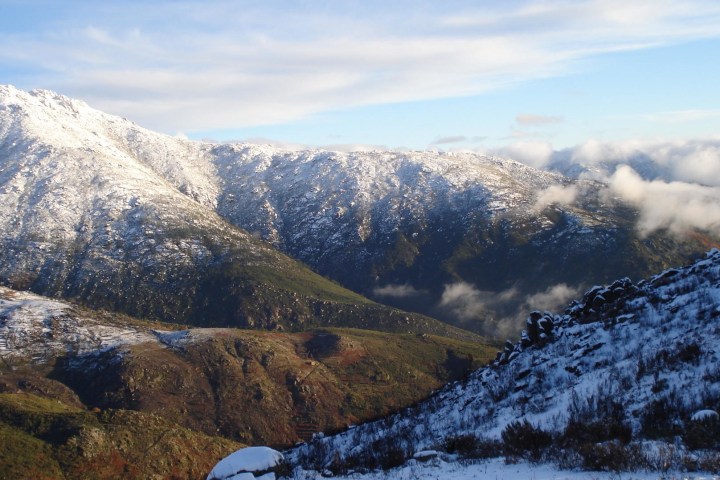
{"x": 40, "y": 97}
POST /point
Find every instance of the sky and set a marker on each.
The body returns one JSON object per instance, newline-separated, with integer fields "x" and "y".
{"x": 466, "y": 75}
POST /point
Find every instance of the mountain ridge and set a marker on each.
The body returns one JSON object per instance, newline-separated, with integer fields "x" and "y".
{"x": 411, "y": 229}
{"x": 83, "y": 217}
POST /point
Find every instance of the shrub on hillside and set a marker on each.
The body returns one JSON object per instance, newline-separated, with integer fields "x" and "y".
{"x": 524, "y": 439}
{"x": 471, "y": 446}
{"x": 578, "y": 433}
{"x": 661, "y": 419}
{"x": 612, "y": 456}
{"x": 703, "y": 434}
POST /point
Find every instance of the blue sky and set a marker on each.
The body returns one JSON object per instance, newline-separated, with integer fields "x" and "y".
{"x": 421, "y": 74}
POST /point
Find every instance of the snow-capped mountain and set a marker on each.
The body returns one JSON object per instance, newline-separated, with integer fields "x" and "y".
{"x": 626, "y": 364}
{"x": 405, "y": 228}
{"x": 96, "y": 208}
{"x": 85, "y": 194}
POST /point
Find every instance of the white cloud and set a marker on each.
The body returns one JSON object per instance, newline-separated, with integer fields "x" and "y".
{"x": 533, "y": 119}
{"x": 553, "y": 299}
{"x": 467, "y": 302}
{"x": 397, "y": 291}
{"x": 692, "y": 161}
{"x": 675, "y": 206}
{"x": 555, "y": 195}
{"x": 535, "y": 154}
{"x": 199, "y": 66}
{"x": 675, "y": 185}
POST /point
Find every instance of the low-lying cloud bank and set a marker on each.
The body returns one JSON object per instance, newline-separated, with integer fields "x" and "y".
{"x": 501, "y": 314}
{"x": 674, "y": 206}
{"x": 675, "y": 185}
{"x": 397, "y": 291}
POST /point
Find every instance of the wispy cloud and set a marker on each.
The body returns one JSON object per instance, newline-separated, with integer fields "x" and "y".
{"x": 449, "y": 139}
{"x": 532, "y": 119}
{"x": 553, "y": 299}
{"x": 681, "y": 116}
{"x": 501, "y": 314}
{"x": 196, "y": 65}
{"x": 397, "y": 291}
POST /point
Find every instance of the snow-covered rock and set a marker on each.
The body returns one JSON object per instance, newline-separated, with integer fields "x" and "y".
{"x": 701, "y": 415}
{"x": 39, "y": 329}
{"x": 248, "y": 464}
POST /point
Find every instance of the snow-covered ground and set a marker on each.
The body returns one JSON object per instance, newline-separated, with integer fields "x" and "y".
{"x": 39, "y": 329}
{"x": 498, "y": 469}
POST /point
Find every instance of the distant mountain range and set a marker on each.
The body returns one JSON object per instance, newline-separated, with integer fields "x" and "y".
{"x": 100, "y": 210}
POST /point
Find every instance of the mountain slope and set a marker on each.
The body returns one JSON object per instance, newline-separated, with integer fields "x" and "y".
{"x": 249, "y": 386}
{"x": 45, "y": 438}
{"x": 629, "y": 362}
{"x": 85, "y": 214}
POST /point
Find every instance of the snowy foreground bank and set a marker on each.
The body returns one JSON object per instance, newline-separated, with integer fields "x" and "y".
{"x": 262, "y": 462}
{"x": 497, "y": 469}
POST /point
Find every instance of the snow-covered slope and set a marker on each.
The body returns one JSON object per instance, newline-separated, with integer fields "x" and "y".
{"x": 71, "y": 189}
{"x": 83, "y": 193}
{"x": 39, "y": 330}
{"x": 628, "y": 361}
{"x": 316, "y": 203}
{"x": 96, "y": 208}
